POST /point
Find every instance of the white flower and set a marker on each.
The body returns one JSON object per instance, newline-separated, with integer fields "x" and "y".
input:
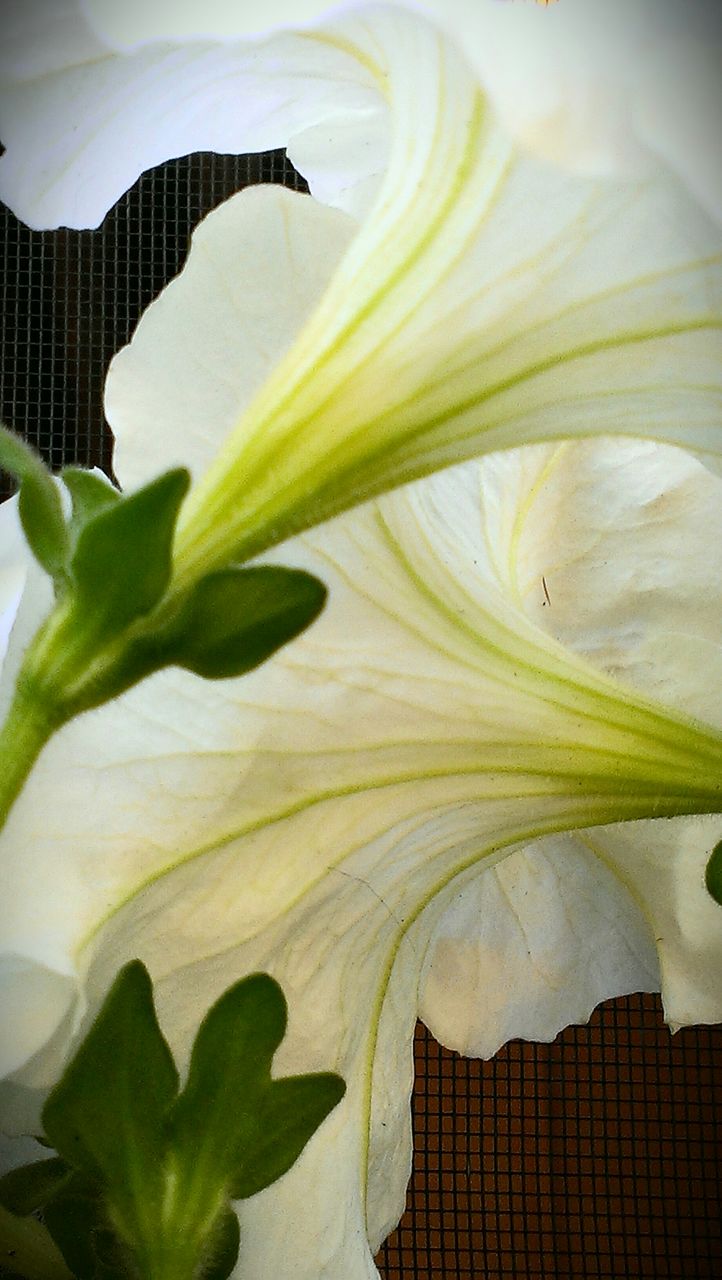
{"x": 377, "y": 816}
{"x": 488, "y": 299}
{"x": 374, "y": 816}
{"x": 339, "y": 818}
{"x": 588, "y": 85}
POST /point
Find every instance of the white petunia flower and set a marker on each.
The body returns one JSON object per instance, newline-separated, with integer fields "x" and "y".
{"x": 487, "y": 299}
{"x": 585, "y": 84}
{"x": 376, "y": 817}
{"x": 369, "y": 817}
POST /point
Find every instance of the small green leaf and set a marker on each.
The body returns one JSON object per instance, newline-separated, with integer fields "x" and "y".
{"x": 27, "y": 1189}
{"x": 147, "y": 1191}
{"x": 106, "y": 1116}
{"x": 233, "y": 1127}
{"x": 222, "y": 1248}
{"x": 231, "y": 1061}
{"x": 41, "y": 512}
{"x": 229, "y": 623}
{"x": 236, "y": 619}
{"x": 77, "y": 1221}
{"x": 122, "y": 561}
{"x": 713, "y": 874}
{"x": 288, "y": 1114}
{"x": 90, "y": 494}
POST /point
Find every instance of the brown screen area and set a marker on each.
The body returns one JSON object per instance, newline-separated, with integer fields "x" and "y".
{"x": 596, "y": 1156}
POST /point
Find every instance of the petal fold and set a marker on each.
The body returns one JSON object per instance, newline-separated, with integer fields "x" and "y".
{"x": 60, "y": 128}
{"x": 258, "y": 266}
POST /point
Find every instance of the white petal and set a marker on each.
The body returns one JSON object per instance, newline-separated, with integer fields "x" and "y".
{"x": 600, "y": 311}
{"x": 144, "y": 108}
{"x": 559, "y": 74}
{"x": 13, "y": 565}
{"x": 44, "y": 36}
{"x": 678, "y": 108}
{"x": 662, "y": 866}
{"x": 487, "y": 301}
{"x": 532, "y": 946}
{"x": 536, "y": 943}
{"x": 607, "y": 548}
{"x": 623, "y": 539}
{"x": 591, "y": 86}
{"x": 33, "y": 999}
{"x": 257, "y": 268}
{"x": 134, "y": 23}
{"x": 585, "y": 84}
{"x": 320, "y": 818}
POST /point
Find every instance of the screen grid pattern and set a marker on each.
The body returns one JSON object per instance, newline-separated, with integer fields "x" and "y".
{"x": 595, "y": 1156}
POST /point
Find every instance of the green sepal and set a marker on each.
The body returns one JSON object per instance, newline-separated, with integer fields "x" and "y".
{"x": 233, "y": 1126}
{"x": 288, "y": 1114}
{"x": 121, "y": 565}
{"x": 221, "y": 1252}
{"x": 39, "y": 504}
{"x": 229, "y": 623}
{"x": 152, "y": 1172}
{"x": 27, "y": 1189}
{"x": 713, "y": 874}
{"x": 77, "y": 1221}
{"x": 234, "y": 620}
{"x": 90, "y": 494}
{"x": 106, "y": 1116}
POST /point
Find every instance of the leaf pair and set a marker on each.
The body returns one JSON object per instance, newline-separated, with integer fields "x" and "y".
{"x": 145, "y": 1174}
{"x": 119, "y": 618}
{"x": 224, "y": 625}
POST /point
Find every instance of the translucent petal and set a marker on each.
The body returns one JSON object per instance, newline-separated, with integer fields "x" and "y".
{"x": 13, "y": 569}
{"x": 488, "y": 300}
{"x": 600, "y": 314}
{"x": 609, "y": 552}
{"x": 78, "y": 137}
{"x": 337, "y": 817}
{"x": 590, "y": 87}
{"x": 258, "y": 267}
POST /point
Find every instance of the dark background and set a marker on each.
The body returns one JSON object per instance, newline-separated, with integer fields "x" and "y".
{"x": 596, "y": 1156}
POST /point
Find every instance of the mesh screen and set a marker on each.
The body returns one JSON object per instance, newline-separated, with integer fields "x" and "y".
{"x": 596, "y": 1156}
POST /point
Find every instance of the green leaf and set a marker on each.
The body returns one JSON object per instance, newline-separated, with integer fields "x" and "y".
{"x": 106, "y": 1116}
{"x": 288, "y": 1114}
{"x": 122, "y": 562}
{"x": 90, "y": 494}
{"x": 222, "y": 1249}
{"x": 40, "y": 508}
{"x": 142, "y": 1184}
{"x": 236, "y": 619}
{"x": 78, "y": 1223}
{"x": 27, "y": 1189}
{"x": 229, "y": 1069}
{"x": 713, "y": 874}
{"x": 229, "y": 623}
{"x": 233, "y": 1127}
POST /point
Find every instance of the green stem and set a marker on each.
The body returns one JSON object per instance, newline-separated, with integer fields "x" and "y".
{"x": 24, "y": 734}
{"x": 27, "y": 1250}
{"x": 171, "y": 1264}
